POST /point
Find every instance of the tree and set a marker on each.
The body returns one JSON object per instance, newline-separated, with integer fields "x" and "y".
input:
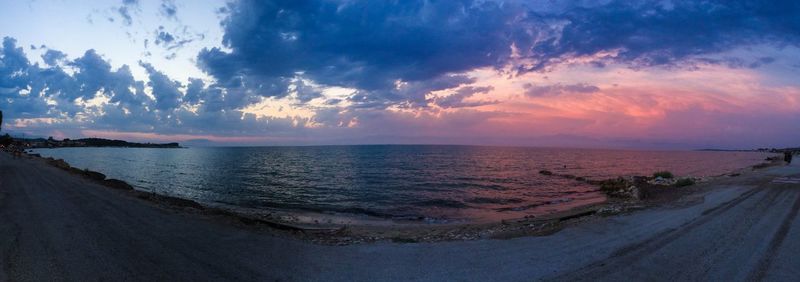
{"x": 6, "y": 140}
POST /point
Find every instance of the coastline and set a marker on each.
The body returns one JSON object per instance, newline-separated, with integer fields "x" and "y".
{"x": 60, "y": 225}
{"x": 335, "y": 229}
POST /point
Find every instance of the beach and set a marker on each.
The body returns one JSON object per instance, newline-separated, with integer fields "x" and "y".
{"x": 60, "y": 226}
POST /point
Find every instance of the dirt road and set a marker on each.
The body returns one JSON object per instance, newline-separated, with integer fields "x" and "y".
{"x": 55, "y": 226}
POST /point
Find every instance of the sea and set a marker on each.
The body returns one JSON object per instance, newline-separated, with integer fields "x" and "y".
{"x": 425, "y": 183}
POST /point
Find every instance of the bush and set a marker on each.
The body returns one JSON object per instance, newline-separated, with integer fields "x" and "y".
{"x": 6, "y": 140}
{"x": 663, "y": 174}
{"x": 684, "y": 182}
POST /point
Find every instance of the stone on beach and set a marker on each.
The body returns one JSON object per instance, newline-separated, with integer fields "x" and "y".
{"x": 118, "y": 184}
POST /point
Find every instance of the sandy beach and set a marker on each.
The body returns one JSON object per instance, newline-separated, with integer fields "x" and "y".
{"x": 59, "y": 226}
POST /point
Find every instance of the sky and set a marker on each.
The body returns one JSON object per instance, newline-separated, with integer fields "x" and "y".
{"x": 597, "y": 74}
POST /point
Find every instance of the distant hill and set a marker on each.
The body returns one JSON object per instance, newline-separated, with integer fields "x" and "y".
{"x": 92, "y": 142}
{"x": 100, "y": 142}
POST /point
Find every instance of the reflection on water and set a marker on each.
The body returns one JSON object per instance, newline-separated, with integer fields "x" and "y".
{"x": 432, "y": 182}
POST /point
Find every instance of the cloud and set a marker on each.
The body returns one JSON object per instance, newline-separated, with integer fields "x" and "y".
{"x": 124, "y": 11}
{"x": 163, "y": 37}
{"x": 456, "y": 100}
{"x": 370, "y": 46}
{"x": 363, "y": 44}
{"x": 53, "y": 92}
{"x": 165, "y": 90}
{"x": 125, "y": 14}
{"x": 396, "y": 60}
{"x": 558, "y": 89}
{"x": 168, "y": 9}
{"x": 53, "y": 57}
{"x": 655, "y": 33}
{"x": 14, "y": 65}
{"x": 171, "y": 41}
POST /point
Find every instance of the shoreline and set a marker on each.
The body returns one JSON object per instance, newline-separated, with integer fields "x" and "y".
{"x": 59, "y": 225}
{"x": 325, "y": 230}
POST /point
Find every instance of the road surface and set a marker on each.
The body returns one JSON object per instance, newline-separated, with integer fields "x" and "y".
{"x": 55, "y": 226}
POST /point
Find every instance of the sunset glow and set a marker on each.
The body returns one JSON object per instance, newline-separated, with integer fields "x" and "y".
{"x": 532, "y": 74}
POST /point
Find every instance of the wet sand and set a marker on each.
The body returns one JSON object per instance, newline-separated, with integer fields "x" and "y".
{"x": 56, "y": 225}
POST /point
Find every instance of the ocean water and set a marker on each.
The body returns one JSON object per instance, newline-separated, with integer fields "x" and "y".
{"x": 429, "y": 183}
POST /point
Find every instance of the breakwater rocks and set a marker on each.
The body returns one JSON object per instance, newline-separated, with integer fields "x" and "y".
{"x": 89, "y": 174}
{"x": 631, "y": 187}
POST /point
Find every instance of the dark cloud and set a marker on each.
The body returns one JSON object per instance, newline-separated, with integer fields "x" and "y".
{"x": 53, "y": 57}
{"x": 92, "y": 72}
{"x": 363, "y": 44}
{"x": 558, "y": 89}
{"x": 211, "y": 99}
{"x": 654, "y": 33}
{"x": 13, "y": 70}
{"x": 304, "y": 92}
{"x": 371, "y": 45}
{"x": 195, "y": 91}
{"x": 392, "y": 54}
{"x": 31, "y": 91}
{"x": 165, "y": 90}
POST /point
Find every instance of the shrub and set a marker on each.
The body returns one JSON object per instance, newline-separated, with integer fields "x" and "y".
{"x": 684, "y": 182}
{"x": 663, "y": 174}
{"x": 6, "y": 140}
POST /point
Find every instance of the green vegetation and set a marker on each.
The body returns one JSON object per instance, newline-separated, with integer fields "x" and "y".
{"x": 99, "y": 142}
{"x": 6, "y": 140}
{"x": 684, "y": 182}
{"x": 663, "y": 174}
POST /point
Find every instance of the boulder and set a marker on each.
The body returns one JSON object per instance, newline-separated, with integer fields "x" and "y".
{"x": 621, "y": 188}
{"x": 118, "y": 184}
{"x": 59, "y": 163}
{"x": 75, "y": 171}
{"x": 93, "y": 175}
{"x": 634, "y": 192}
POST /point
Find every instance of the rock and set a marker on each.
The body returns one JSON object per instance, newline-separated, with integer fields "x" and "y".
{"x": 117, "y": 184}
{"x": 546, "y": 172}
{"x": 620, "y": 188}
{"x": 634, "y": 192}
{"x": 94, "y": 175}
{"x": 75, "y": 170}
{"x": 609, "y": 210}
{"x": 59, "y": 163}
{"x": 662, "y": 181}
{"x": 181, "y": 202}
